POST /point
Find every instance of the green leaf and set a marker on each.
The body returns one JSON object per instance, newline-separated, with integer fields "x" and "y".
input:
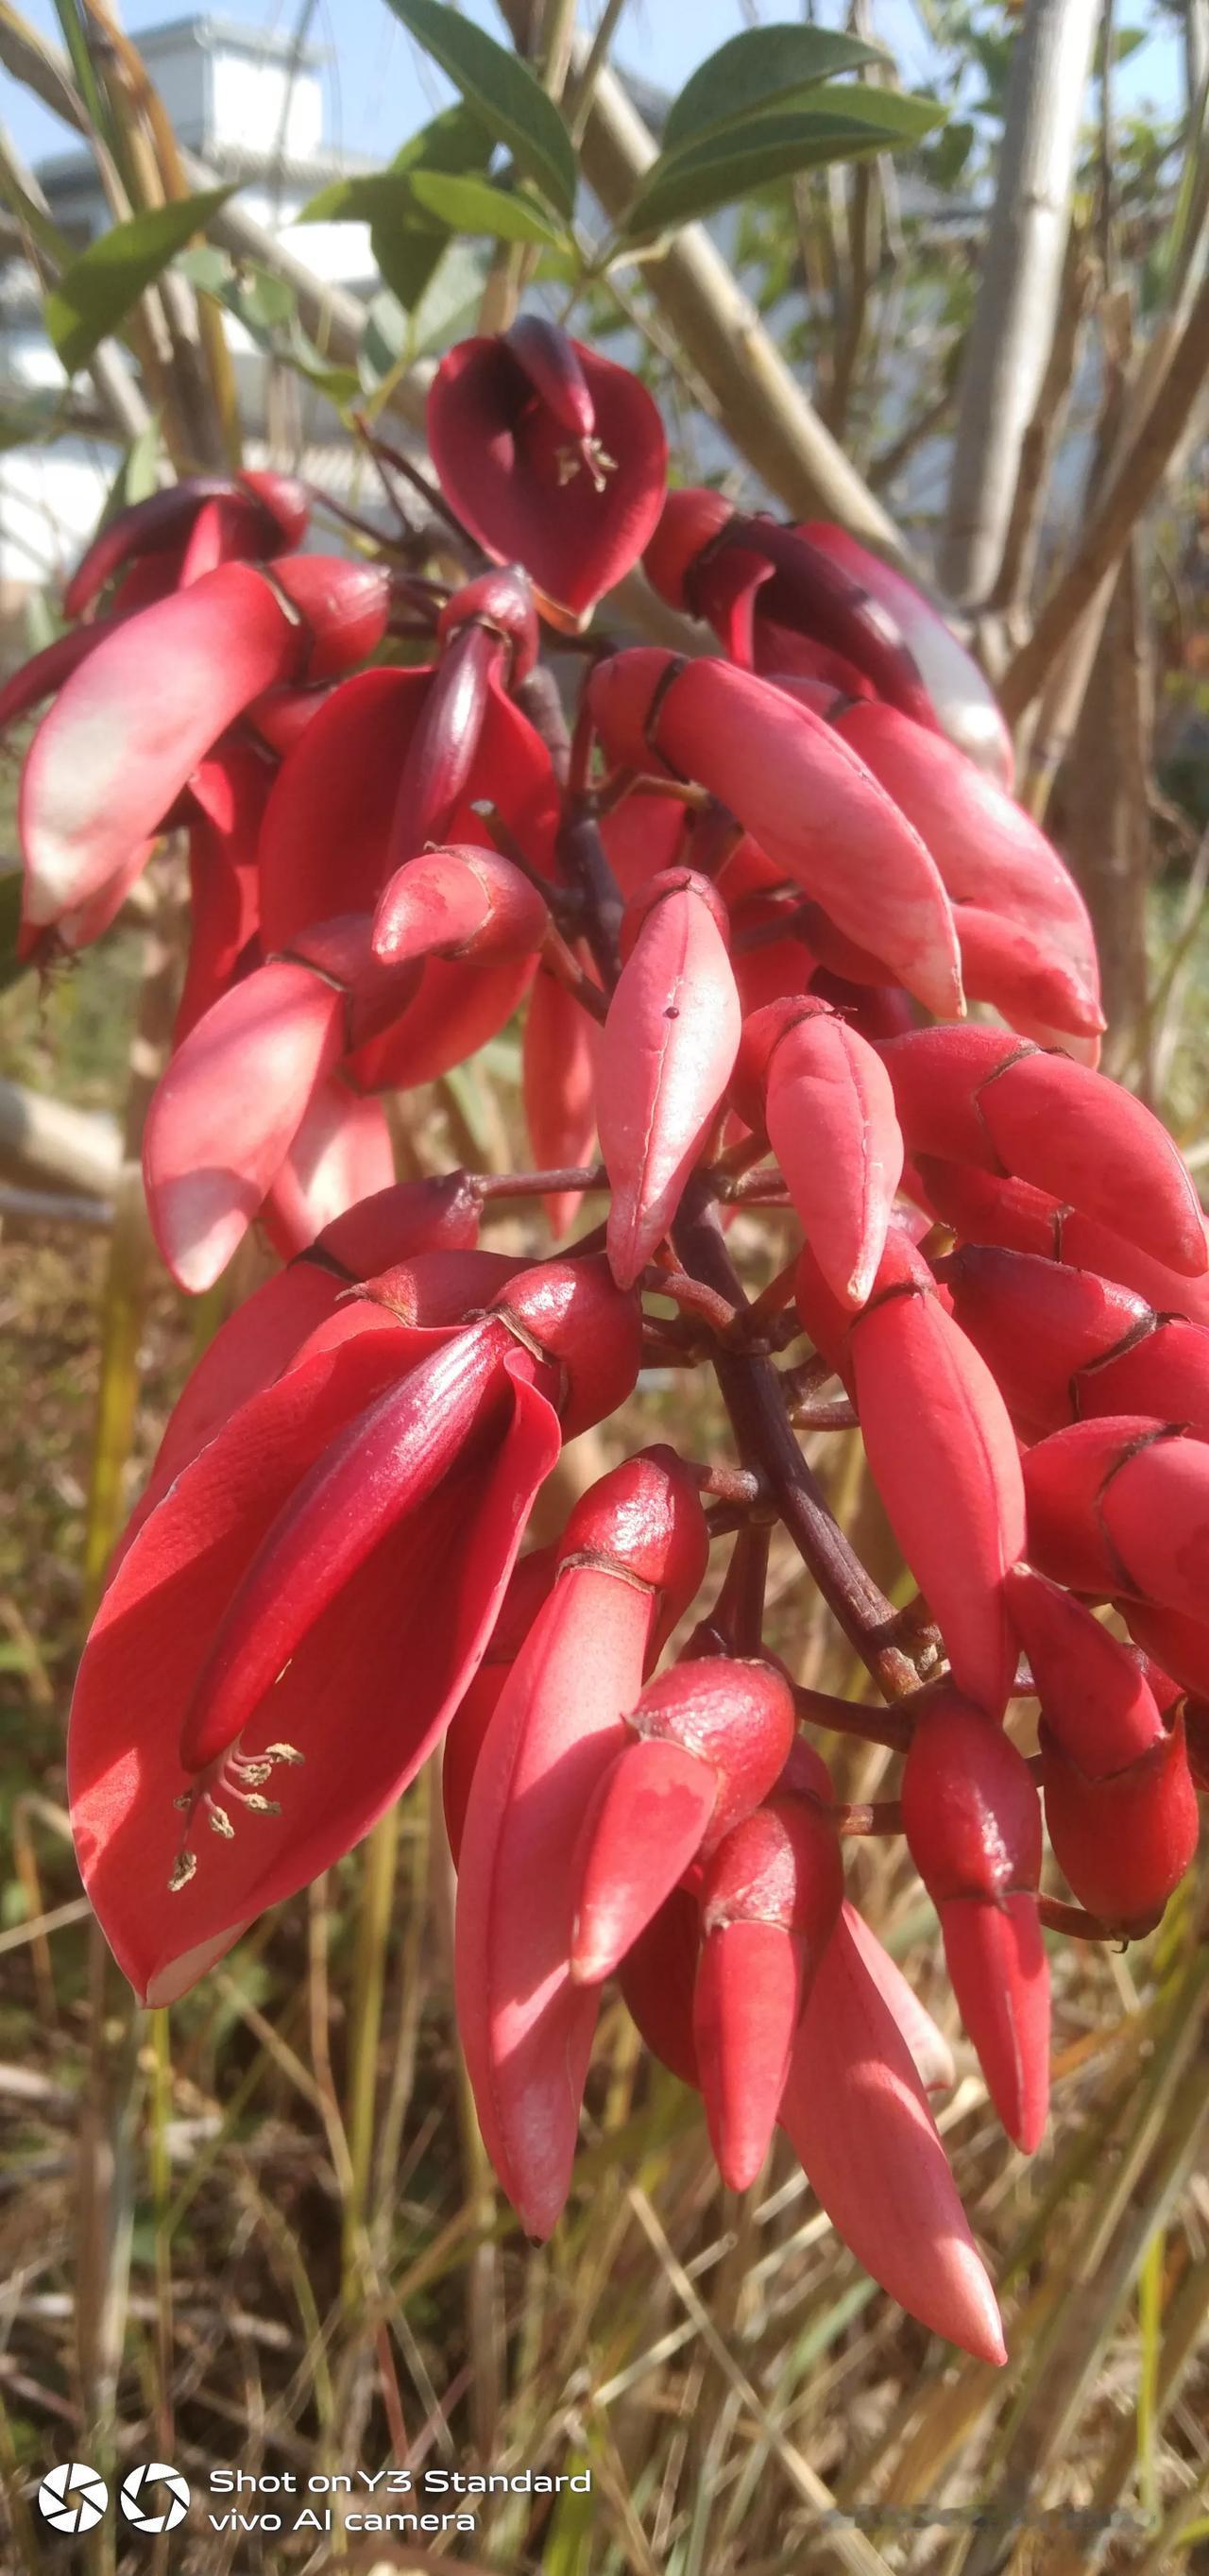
{"x": 95, "y": 294}
{"x": 206, "y": 269}
{"x": 384, "y": 342}
{"x": 502, "y": 91}
{"x": 471, "y": 206}
{"x": 764, "y": 68}
{"x": 379, "y": 194}
{"x": 449, "y": 305}
{"x": 137, "y": 475}
{"x": 686, "y": 184}
{"x": 436, "y": 200}
{"x": 409, "y": 253}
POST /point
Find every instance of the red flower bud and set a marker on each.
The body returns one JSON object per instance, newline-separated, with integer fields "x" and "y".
{"x": 964, "y": 705}
{"x": 665, "y": 1058}
{"x": 326, "y": 842}
{"x": 502, "y": 601}
{"x": 657, "y": 1978}
{"x": 972, "y": 1820}
{"x": 1027, "y": 941}
{"x": 1120, "y": 1804}
{"x": 463, "y": 902}
{"x": 944, "y": 1460}
{"x": 829, "y": 1113}
{"x": 708, "y": 1741}
{"x": 1048, "y": 1334}
{"x": 976, "y": 1096}
{"x": 983, "y": 1208}
{"x": 268, "y": 1044}
{"x": 809, "y": 802}
{"x": 1122, "y": 1505}
{"x": 690, "y": 521}
{"x": 133, "y": 721}
{"x": 1180, "y": 1644}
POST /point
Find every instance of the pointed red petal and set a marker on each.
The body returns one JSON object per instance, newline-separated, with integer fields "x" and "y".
{"x": 146, "y": 1644}
{"x": 945, "y": 1462}
{"x": 998, "y": 1969}
{"x": 832, "y": 1126}
{"x": 560, "y": 1048}
{"x": 526, "y": 2028}
{"x": 132, "y": 723}
{"x": 646, "y": 1821}
{"x": 1082, "y": 1137}
{"x": 340, "y": 1153}
{"x": 227, "y": 1109}
{"x": 747, "y": 2006}
{"x": 378, "y": 1472}
{"x": 930, "y": 2050}
{"x": 666, "y": 1055}
{"x": 857, "y": 2115}
{"x": 1094, "y": 1695}
{"x": 803, "y": 795}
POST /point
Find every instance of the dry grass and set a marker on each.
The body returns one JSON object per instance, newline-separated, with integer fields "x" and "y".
{"x": 261, "y": 2234}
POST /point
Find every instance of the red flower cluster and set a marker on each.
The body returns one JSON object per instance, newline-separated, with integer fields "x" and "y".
{"x": 743, "y": 908}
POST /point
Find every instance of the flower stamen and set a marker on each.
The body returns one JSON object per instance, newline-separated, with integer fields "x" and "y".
{"x": 588, "y": 453}
{"x": 239, "y": 1775}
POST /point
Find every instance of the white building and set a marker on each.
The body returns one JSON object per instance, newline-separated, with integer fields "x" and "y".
{"x": 251, "y": 106}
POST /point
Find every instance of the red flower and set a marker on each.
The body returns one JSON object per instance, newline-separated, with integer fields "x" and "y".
{"x": 312, "y": 1596}
{"x": 553, "y": 457}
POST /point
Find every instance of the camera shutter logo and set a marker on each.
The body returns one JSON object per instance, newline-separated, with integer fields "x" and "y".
{"x": 155, "y": 2497}
{"x": 73, "y": 2498}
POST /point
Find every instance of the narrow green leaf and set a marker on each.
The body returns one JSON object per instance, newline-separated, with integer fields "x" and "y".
{"x": 471, "y": 206}
{"x": 694, "y": 182}
{"x": 95, "y": 294}
{"x": 502, "y": 91}
{"x": 763, "y": 68}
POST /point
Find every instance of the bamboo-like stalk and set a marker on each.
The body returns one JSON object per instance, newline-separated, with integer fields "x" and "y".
{"x": 1021, "y": 273}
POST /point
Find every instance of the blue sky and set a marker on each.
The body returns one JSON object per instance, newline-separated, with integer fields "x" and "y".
{"x": 378, "y": 88}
